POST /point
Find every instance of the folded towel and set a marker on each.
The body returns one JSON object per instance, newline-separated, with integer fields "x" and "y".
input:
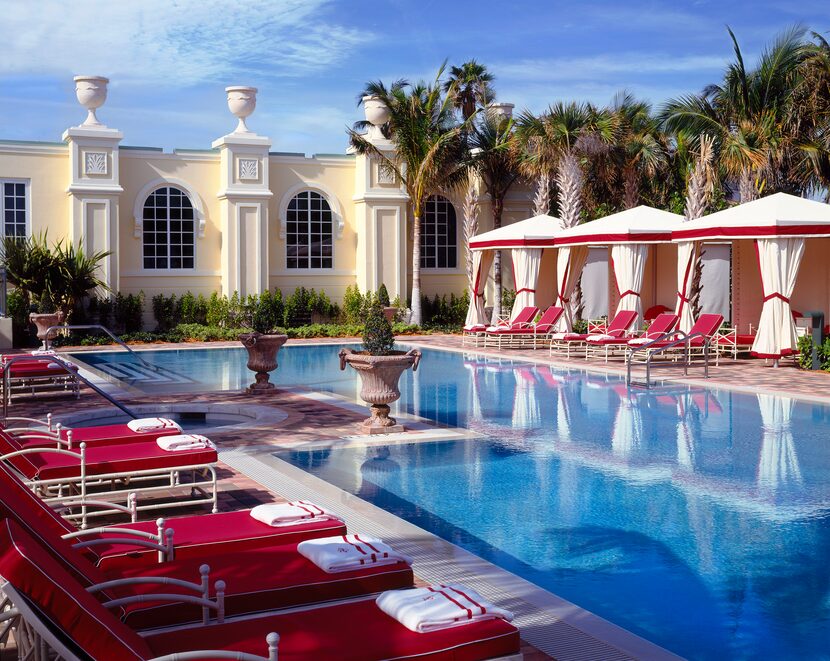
{"x": 60, "y": 364}
{"x": 438, "y": 607}
{"x": 474, "y": 327}
{"x": 182, "y": 442}
{"x": 565, "y": 336}
{"x": 349, "y": 552}
{"x": 44, "y": 352}
{"x": 602, "y": 336}
{"x": 637, "y": 341}
{"x": 141, "y": 425}
{"x": 289, "y": 514}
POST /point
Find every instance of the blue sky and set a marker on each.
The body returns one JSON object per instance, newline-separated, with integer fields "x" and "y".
{"x": 169, "y": 60}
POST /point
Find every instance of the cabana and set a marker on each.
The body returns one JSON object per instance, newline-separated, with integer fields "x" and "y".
{"x": 530, "y": 243}
{"x": 634, "y": 236}
{"x": 775, "y": 236}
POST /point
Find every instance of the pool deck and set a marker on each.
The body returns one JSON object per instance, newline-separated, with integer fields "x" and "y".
{"x": 249, "y": 474}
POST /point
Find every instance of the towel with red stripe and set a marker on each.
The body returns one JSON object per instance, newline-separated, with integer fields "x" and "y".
{"x": 349, "y": 552}
{"x": 146, "y": 425}
{"x": 185, "y": 443}
{"x": 290, "y": 514}
{"x": 439, "y": 607}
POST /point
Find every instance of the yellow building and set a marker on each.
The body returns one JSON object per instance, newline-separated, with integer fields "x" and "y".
{"x": 232, "y": 217}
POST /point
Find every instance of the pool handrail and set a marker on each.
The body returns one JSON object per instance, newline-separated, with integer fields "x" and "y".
{"x": 112, "y": 335}
{"x": 665, "y": 342}
{"x": 7, "y": 393}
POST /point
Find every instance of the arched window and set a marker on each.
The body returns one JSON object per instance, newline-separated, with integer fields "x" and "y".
{"x": 308, "y": 232}
{"x": 438, "y": 234}
{"x": 169, "y": 230}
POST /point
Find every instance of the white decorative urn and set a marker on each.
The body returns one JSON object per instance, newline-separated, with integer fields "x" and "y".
{"x": 501, "y": 110}
{"x": 91, "y": 92}
{"x": 241, "y": 102}
{"x": 377, "y": 114}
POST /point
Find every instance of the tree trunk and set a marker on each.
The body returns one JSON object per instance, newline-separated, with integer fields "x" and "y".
{"x": 569, "y": 182}
{"x": 631, "y": 187}
{"x": 416, "y": 271}
{"x": 746, "y": 186}
{"x": 498, "y": 208}
{"x": 541, "y": 199}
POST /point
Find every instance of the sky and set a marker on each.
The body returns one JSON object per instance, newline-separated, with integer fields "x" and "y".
{"x": 169, "y": 60}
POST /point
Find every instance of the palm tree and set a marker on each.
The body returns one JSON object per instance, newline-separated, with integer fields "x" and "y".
{"x": 556, "y": 139}
{"x": 749, "y": 115}
{"x": 429, "y": 156}
{"x": 491, "y": 141}
{"x": 640, "y": 145}
{"x": 813, "y": 106}
{"x": 469, "y": 87}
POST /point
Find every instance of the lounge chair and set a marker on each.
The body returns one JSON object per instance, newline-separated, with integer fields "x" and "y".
{"x": 702, "y": 334}
{"x": 41, "y": 432}
{"x": 182, "y": 537}
{"x": 261, "y": 579}
{"x": 493, "y": 335}
{"x": 533, "y": 334}
{"x": 606, "y": 347}
{"x": 60, "y": 614}
{"x": 33, "y": 374}
{"x": 731, "y": 343}
{"x": 61, "y": 474}
{"x": 617, "y": 329}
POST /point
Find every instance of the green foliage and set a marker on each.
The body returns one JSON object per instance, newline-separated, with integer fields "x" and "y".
{"x": 508, "y": 297}
{"x": 353, "y": 303}
{"x": 192, "y": 309}
{"x": 580, "y": 326}
{"x": 805, "y": 353}
{"x": 378, "y": 338}
{"x": 298, "y": 308}
{"x": 217, "y": 310}
{"x": 164, "y": 311}
{"x": 128, "y": 312}
{"x": 383, "y": 295}
{"x": 267, "y": 313}
{"x": 446, "y": 314}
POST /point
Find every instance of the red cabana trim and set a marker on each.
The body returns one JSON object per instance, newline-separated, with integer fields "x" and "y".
{"x": 763, "y": 231}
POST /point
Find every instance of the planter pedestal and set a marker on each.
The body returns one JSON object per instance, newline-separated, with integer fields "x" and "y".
{"x": 43, "y": 322}
{"x": 379, "y": 377}
{"x": 262, "y": 359}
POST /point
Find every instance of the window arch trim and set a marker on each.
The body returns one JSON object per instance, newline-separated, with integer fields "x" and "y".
{"x": 320, "y": 189}
{"x": 167, "y": 182}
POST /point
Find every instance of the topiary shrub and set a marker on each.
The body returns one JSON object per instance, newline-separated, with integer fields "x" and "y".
{"x": 378, "y": 338}
{"x": 353, "y": 305}
{"x": 383, "y": 295}
{"x": 164, "y": 311}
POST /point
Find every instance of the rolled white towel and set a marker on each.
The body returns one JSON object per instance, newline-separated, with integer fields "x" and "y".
{"x": 43, "y": 352}
{"x": 141, "y": 425}
{"x": 289, "y": 514}
{"x": 565, "y": 336}
{"x": 602, "y": 336}
{"x": 349, "y": 552}
{"x": 182, "y": 442}
{"x": 438, "y": 607}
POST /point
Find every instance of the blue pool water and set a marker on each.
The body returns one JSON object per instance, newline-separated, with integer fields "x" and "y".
{"x": 699, "y": 519}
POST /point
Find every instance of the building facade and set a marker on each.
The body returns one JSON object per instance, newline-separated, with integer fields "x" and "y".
{"x": 234, "y": 216}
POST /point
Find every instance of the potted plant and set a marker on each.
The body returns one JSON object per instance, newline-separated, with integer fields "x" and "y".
{"x": 46, "y": 315}
{"x": 380, "y": 367}
{"x": 389, "y": 311}
{"x": 262, "y": 344}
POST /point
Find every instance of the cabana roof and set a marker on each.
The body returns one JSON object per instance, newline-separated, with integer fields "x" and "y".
{"x": 536, "y": 232}
{"x": 778, "y": 215}
{"x": 641, "y": 224}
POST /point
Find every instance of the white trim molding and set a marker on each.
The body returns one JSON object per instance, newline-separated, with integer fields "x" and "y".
{"x": 322, "y": 189}
{"x": 144, "y": 193}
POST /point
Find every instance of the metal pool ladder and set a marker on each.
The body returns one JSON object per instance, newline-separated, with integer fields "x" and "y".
{"x": 681, "y": 339}
{"x": 112, "y": 335}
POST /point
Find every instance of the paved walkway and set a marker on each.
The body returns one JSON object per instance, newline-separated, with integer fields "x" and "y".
{"x": 744, "y": 374}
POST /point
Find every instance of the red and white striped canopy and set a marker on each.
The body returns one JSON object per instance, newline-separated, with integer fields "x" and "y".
{"x": 780, "y": 215}
{"x": 641, "y": 224}
{"x": 536, "y": 232}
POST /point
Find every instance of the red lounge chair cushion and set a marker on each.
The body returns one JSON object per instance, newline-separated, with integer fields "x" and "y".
{"x": 124, "y": 458}
{"x": 38, "y": 368}
{"x": 113, "y": 435}
{"x": 258, "y": 580}
{"x": 61, "y": 601}
{"x": 346, "y": 632}
{"x": 225, "y": 532}
{"x": 736, "y": 339}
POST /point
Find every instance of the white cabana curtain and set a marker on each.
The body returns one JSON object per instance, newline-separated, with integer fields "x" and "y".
{"x": 482, "y": 260}
{"x": 569, "y": 264}
{"x": 688, "y": 252}
{"x": 526, "y": 263}
{"x": 629, "y": 268}
{"x": 778, "y": 464}
{"x": 778, "y": 260}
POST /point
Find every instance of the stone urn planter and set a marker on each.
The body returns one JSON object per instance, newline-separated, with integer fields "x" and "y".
{"x": 45, "y": 320}
{"x": 262, "y": 359}
{"x": 379, "y": 377}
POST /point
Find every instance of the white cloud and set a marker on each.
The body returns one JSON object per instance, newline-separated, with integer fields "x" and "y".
{"x": 173, "y": 41}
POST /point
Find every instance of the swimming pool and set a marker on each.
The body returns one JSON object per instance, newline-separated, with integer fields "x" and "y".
{"x": 699, "y": 519}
